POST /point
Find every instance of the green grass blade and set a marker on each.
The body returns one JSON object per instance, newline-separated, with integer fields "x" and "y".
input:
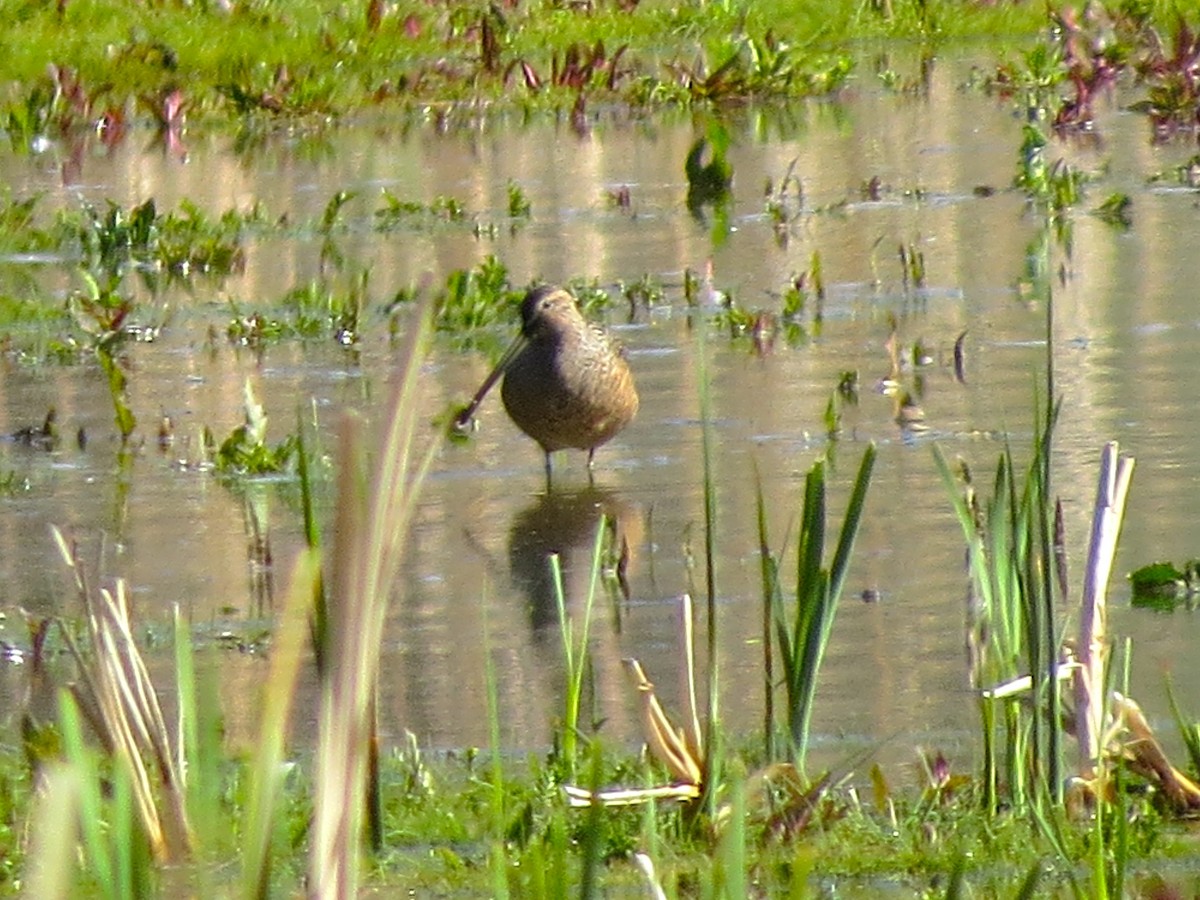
{"x": 82, "y": 762}
{"x": 958, "y": 878}
{"x": 269, "y": 772}
{"x": 50, "y": 861}
{"x": 854, "y": 510}
{"x": 731, "y": 853}
{"x": 1028, "y": 888}
{"x": 593, "y": 831}
{"x": 772, "y": 612}
{"x": 498, "y": 857}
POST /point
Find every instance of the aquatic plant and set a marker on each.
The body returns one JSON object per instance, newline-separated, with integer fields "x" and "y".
{"x": 1011, "y": 630}
{"x": 580, "y": 67}
{"x": 145, "y": 815}
{"x": 395, "y": 213}
{"x": 741, "y": 66}
{"x": 1056, "y": 186}
{"x": 801, "y": 634}
{"x": 1089, "y": 52}
{"x": 179, "y": 243}
{"x": 102, "y": 313}
{"x": 16, "y": 219}
{"x": 1116, "y": 211}
{"x": 643, "y": 293}
{"x": 519, "y": 206}
{"x": 476, "y": 298}
{"x": 1173, "y": 83}
{"x": 1164, "y": 585}
{"x": 246, "y": 451}
{"x": 314, "y": 310}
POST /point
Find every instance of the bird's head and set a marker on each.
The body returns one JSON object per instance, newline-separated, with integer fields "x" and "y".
{"x": 546, "y": 311}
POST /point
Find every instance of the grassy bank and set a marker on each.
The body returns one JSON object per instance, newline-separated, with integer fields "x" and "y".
{"x": 111, "y": 60}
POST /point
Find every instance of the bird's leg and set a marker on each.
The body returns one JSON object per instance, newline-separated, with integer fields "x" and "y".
{"x": 591, "y": 458}
{"x": 548, "y": 469}
{"x": 591, "y": 468}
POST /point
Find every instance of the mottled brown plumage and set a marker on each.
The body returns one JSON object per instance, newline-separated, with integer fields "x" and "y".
{"x": 566, "y": 384}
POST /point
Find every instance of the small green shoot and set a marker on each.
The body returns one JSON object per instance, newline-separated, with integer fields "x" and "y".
{"x": 575, "y": 650}
{"x": 246, "y": 451}
{"x": 1053, "y": 187}
{"x": 1116, "y": 210}
{"x": 396, "y": 214}
{"x": 519, "y": 206}
{"x": 1165, "y": 586}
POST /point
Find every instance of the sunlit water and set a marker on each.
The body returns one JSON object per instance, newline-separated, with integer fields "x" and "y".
{"x": 1125, "y": 340}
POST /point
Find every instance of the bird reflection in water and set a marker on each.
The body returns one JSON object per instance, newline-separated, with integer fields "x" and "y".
{"x": 565, "y": 522}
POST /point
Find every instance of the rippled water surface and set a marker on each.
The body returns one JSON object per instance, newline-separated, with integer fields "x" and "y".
{"x": 1125, "y": 338}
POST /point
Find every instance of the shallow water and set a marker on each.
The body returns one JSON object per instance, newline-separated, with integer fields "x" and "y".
{"x": 1126, "y": 334}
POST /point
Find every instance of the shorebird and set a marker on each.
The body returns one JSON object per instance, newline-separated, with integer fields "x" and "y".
{"x": 566, "y": 383}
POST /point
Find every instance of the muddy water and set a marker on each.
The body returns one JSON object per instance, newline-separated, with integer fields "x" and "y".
{"x": 1125, "y": 337}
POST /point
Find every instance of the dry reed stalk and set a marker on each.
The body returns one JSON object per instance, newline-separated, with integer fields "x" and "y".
{"x": 669, "y": 744}
{"x": 695, "y": 735}
{"x": 116, "y": 691}
{"x": 1111, "y": 492}
{"x": 1147, "y": 757}
{"x": 373, "y": 515}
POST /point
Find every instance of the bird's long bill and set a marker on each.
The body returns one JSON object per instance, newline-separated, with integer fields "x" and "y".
{"x": 463, "y": 419}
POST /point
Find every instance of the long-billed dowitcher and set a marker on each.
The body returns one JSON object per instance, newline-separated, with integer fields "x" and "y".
{"x": 566, "y": 384}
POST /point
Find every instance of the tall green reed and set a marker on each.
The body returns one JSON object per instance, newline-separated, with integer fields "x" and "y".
{"x": 498, "y": 857}
{"x": 575, "y": 649}
{"x": 261, "y": 824}
{"x": 802, "y": 633}
{"x": 712, "y": 731}
{"x": 1012, "y": 633}
{"x": 116, "y": 847}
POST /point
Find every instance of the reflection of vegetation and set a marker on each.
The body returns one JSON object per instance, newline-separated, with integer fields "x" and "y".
{"x": 709, "y": 182}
